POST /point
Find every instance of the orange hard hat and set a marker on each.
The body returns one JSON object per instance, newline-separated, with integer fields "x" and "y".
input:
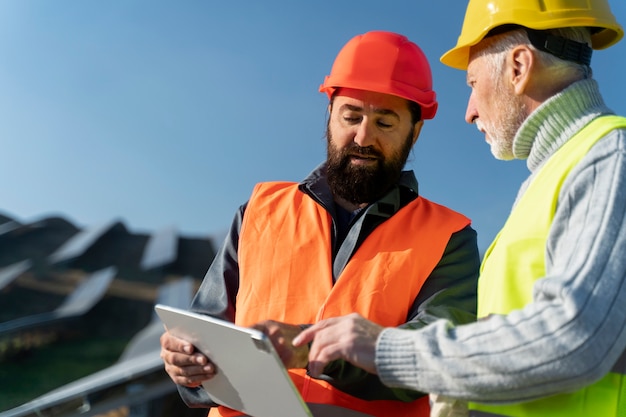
{"x": 384, "y": 62}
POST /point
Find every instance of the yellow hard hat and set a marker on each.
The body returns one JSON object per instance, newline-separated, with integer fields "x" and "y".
{"x": 483, "y": 16}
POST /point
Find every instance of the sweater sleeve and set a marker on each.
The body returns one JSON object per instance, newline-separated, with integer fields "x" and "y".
{"x": 573, "y": 331}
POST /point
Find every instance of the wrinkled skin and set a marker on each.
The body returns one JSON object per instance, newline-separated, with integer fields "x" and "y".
{"x": 351, "y": 338}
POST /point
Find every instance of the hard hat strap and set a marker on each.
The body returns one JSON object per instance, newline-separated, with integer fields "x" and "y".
{"x": 567, "y": 49}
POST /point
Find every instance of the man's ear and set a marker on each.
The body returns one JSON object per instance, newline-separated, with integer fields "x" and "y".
{"x": 521, "y": 61}
{"x": 417, "y": 128}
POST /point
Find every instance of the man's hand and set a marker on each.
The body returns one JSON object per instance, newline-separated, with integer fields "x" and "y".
{"x": 183, "y": 363}
{"x": 351, "y": 338}
{"x": 282, "y": 335}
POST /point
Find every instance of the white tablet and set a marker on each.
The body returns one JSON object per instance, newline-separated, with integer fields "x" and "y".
{"x": 250, "y": 377}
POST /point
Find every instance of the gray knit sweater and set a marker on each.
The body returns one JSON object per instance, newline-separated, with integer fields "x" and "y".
{"x": 575, "y": 329}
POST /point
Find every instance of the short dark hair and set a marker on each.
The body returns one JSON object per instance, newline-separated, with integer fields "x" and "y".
{"x": 416, "y": 111}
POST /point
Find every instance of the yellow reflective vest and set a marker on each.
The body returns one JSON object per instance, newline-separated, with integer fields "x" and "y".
{"x": 516, "y": 259}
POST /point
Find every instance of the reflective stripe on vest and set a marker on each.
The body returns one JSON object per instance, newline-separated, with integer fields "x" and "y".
{"x": 285, "y": 260}
{"x": 518, "y": 253}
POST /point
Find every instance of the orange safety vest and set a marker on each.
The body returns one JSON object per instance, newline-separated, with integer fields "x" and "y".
{"x": 285, "y": 261}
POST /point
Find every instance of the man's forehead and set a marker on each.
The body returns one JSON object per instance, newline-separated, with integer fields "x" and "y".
{"x": 474, "y": 66}
{"x": 369, "y": 99}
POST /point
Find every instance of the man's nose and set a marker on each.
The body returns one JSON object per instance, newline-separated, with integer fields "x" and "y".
{"x": 365, "y": 134}
{"x": 471, "y": 114}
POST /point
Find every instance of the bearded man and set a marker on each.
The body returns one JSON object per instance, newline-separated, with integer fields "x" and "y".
{"x": 354, "y": 236}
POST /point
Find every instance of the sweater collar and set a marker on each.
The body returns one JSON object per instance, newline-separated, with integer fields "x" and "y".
{"x": 556, "y": 120}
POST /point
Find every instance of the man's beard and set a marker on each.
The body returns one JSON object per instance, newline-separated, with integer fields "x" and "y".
{"x": 364, "y": 184}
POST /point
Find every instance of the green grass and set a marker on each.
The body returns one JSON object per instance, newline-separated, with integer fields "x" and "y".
{"x": 38, "y": 372}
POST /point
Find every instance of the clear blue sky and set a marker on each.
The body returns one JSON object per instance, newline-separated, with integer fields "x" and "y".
{"x": 161, "y": 113}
